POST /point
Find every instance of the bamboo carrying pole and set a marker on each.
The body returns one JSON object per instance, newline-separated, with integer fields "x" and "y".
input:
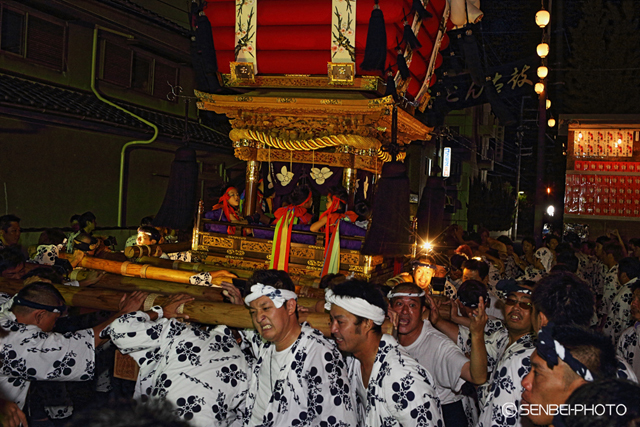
{"x": 197, "y": 267}
{"x": 213, "y": 313}
{"x": 145, "y": 271}
{"x": 149, "y": 250}
{"x": 202, "y": 293}
{"x": 130, "y": 284}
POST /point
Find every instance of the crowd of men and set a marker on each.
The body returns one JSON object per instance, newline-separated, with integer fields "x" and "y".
{"x": 476, "y": 335}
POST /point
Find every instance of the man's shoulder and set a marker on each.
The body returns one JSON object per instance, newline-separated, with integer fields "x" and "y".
{"x": 311, "y": 338}
{"x": 520, "y": 349}
{"x": 432, "y": 337}
{"x": 630, "y": 335}
{"x": 398, "y": 364}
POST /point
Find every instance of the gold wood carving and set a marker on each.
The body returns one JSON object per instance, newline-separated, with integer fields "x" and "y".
{"x": 349, "y": 258}
{"x": 243, "y": 71}
{"x": 313, "y": 118}
{"x": 331, "y": 101}
{"x": 255, "y": 246}
{"x": 344, "y": 160}
{"x": 341, "y": 72}
{"x": 309, "y": 271}
{"x": 235, "y": 263}
{"x": 314, "y": 263}
{"x": 235, "y": 252}
{"x": 217, "y": 242}
{"x": 289, "y": 127}
{"x": 245, "y": 153}
{"x": 302, "y": 252}
{"x": 368, "y": 83}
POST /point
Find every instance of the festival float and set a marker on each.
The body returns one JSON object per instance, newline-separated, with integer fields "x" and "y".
{"x": 325, "y": 91}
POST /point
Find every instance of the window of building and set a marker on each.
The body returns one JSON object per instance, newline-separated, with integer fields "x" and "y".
{"x": 131, "y": 68}
{"x": 12, "y": 34}
{"x": 141, "y": 73}
{"x": 163, "y": 76}
{"x": 33, "y": 37}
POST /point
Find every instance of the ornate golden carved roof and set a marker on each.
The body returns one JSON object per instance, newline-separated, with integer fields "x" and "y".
{"x": 312, "y": 120}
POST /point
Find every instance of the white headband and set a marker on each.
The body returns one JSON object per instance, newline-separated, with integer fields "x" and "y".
{"x": 278, "y": 296}
{"x": 356, "y": 306}
{"x": 391, "y": 294}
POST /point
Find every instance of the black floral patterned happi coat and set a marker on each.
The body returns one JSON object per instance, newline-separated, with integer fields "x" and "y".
{"x": 400, "y": 391}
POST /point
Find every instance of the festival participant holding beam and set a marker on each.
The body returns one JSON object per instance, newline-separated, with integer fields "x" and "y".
{"x": 30, "y": 351}
{"x": 392, "y": 388}
{"x": 200, "y": 370}
{"x": 298, "y": 376}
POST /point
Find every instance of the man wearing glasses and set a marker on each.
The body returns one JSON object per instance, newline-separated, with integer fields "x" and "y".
{"x": 500, "y": 397}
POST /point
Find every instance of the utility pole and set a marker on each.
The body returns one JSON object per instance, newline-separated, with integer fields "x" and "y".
{"x": 514, "y": 235}
{"x": 538, "y": 218}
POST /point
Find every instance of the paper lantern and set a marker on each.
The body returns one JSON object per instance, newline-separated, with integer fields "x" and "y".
{"x": 543, "y": 72}
{"x": 542, "y": 18}
{"x": 543, "y": 50}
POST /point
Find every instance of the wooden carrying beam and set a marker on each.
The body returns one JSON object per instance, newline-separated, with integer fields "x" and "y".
{"x": 149, "y": 250}
{"x": 201, "y": 293}
{"x": 145, "y": 271}
{"x": 213, "y": 313}
{"x": 196, "y": 267}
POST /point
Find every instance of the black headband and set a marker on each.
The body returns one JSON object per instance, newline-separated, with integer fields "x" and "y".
{"x": 551, "y": 351}
{"x": 31, "y": 304}
{"x": 85, "y": 247}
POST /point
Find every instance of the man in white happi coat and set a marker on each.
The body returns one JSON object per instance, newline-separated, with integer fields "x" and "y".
{"x": 30, "y": 351}
{"x": 436, "y": 352}
{"x": 298, "y": 377}
{"x": 612, "y": 253}
{"x": 619, "y": 315}
{"x": 200, "y": 370}
{"x": 391, "y": 387}
{"x": 628, "y": 346}
{"x": 512, "y": 348}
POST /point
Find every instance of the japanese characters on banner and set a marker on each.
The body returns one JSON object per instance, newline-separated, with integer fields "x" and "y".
{"x": 246, "y": 25}
{"x": 514, "y": 79}
{"x": 343, "y": 31}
